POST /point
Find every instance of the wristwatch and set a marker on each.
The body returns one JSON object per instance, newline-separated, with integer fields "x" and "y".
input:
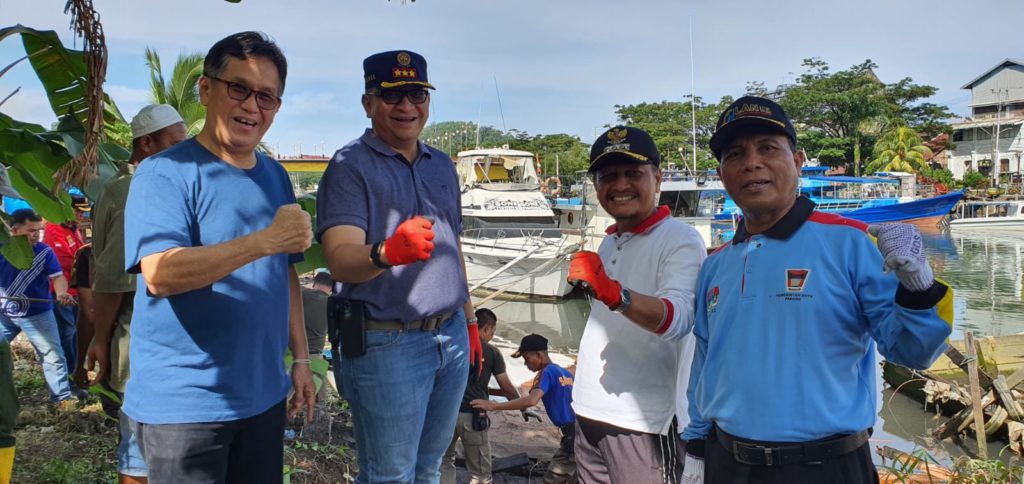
{"x": 626, "y": 301}
{"x": 375, "y": 256}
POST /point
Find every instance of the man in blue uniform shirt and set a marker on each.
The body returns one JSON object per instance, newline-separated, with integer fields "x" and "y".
{"x": 213, "y": 227}
{"x": 389, "y": 217}
{"x": 788, "y": 317}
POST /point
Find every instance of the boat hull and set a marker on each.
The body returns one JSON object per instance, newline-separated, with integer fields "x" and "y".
{"x": 538, "y": 275}
{"x": 927, "y": 212}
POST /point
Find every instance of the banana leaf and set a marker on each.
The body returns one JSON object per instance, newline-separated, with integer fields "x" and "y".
{"x": 62, "y": 72}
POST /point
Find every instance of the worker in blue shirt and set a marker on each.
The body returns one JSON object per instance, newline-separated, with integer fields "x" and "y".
{"x": 788, "y": 317}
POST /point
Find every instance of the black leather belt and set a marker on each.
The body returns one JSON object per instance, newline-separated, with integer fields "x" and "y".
{"x": 426, "y": 324}
{"x": 781, "y": 453}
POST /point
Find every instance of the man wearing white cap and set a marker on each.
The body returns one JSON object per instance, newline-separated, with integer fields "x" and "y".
{"x": 156, "y": 128}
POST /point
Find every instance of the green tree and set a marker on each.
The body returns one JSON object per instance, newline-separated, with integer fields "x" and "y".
{"x": 182, "y": 92}
{"x": 670, "y": 123}
{"x": 455, "y": 136}
{"x": 900, "y": 149}
{"x": 850, "y": 109}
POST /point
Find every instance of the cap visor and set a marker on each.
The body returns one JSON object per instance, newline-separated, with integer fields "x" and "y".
{"x": 737, "y": 127}
{"x": 389, "y": 85}
{"x": 517, "y": 354}
{"x": 612, "y": 157}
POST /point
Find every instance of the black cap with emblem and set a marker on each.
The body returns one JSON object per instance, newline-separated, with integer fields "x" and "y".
{"x": 623, "y": 144}
{"x": 395, "y": 68}
{"x": 746, "y": 112}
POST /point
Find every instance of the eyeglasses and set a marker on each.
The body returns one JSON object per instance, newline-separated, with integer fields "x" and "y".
{"x": 241, "y": 92}
{"x": 394, "y": 96}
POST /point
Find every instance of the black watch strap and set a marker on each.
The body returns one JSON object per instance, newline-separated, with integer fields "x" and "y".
{"x": 375, "y": 256}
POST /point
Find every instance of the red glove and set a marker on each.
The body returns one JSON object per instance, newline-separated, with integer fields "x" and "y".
{"x": 586, "y": 267}
{"x": 476, "y": 350}
{"x": 411, "y": 242}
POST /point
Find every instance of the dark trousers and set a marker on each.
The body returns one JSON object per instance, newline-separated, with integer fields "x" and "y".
{"x": 246, "y": 451}
{"x": 606, "y": 454}
{"x": 721, "y": 467}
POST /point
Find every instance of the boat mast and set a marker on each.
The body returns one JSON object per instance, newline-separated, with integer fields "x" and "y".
{"x": 693, "y": 103}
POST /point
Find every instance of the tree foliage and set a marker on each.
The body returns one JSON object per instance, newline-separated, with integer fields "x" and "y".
{"x": 670, "y": 123}
{"x": 899, "y": 149}
{"x": 848, "y": 110}
{"x": 182, "y": 92}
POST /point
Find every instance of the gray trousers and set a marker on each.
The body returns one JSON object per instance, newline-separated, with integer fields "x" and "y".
{"x": 249, "y": 451}
{"x": 606, "y": 454}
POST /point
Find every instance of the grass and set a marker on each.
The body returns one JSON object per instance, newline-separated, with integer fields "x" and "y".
{"x": 923, "y": 467}
{"x": 80, "y": 446}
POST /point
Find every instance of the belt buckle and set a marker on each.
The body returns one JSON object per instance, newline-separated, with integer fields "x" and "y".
{"x": 769, "y": 459}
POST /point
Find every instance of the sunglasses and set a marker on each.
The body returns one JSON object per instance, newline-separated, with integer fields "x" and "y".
{"x": 394, "y": 96}
{"x": 240, "y": 92}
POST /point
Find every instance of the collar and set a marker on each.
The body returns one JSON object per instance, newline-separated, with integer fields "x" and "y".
{"x": 381, "y": 147}
{"x": 785, "y": 227}
{"x": 660, "y": 214}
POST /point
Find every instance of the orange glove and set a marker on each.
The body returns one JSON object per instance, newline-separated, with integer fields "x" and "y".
{"x": 476, "y": 351}
{"x": 410, "y": 243}
{"x": 586, "y": 268}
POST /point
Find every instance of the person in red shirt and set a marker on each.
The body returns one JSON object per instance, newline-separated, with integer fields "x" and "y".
{"x": 65, "y": 239}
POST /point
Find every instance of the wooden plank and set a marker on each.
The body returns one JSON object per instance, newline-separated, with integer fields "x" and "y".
{"x": 979, "y": 415}
{"x": 1006, "y": 397}
{"x": 960, "y": 360}
{"x": 951, "y": 426}
{"x": 1003, "y": 352}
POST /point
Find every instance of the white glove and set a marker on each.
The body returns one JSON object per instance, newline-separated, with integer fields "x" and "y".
{"x": 901, "y": 247}
{"x": 693, "y": 466}
{"x": 693, "y": 470}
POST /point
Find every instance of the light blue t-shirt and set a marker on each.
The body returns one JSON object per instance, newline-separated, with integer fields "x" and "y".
{"x": 216, "y": 353}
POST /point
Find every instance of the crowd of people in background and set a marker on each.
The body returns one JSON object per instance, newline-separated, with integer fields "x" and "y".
{"x": 726, "y": 367}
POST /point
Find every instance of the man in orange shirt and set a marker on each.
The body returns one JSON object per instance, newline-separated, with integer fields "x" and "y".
{"x": 65, "y": 239}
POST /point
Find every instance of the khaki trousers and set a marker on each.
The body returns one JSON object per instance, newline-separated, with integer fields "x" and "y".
{"x": 477, "y": 449}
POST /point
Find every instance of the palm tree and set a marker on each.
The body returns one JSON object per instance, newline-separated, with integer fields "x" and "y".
{"x": 900, "y": 149}
{"x": 183, "y": 91}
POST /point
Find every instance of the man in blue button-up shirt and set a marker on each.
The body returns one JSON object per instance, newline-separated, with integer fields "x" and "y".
{"x": 389, "y": 219}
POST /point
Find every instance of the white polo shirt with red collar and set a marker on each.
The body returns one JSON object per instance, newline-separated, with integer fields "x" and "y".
{"x": 628, "y": 376}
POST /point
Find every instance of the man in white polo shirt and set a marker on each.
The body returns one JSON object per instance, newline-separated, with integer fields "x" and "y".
{"x": 637, "y": 341}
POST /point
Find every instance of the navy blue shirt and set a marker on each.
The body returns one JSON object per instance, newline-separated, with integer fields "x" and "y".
{"x": 215, "y": 353}
{"x": 371, "y": 186}
{"x": 33, "y": 282}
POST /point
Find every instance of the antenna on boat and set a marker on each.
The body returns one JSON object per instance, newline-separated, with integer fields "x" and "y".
{"x": 479, "y": 111}
{"x": 693, "y": 102}
{"x": 500, "y": 110}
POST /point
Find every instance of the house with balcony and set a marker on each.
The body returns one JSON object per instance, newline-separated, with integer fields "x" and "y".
{"x": 990, "y": 141}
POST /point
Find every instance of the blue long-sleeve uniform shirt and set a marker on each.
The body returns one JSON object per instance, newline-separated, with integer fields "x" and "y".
{"x": 786, "y": 326}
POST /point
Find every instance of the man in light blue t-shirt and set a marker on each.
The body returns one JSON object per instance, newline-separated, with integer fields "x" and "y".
{"x": 213, "y": 228}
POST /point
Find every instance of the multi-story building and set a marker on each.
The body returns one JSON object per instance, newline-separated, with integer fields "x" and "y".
{"x": 990, "y": 140}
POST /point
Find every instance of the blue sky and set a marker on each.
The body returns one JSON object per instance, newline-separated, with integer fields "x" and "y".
{"x": 560, "y": 65}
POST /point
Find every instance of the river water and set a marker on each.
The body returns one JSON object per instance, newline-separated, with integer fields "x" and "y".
{"x": 986, "y": 270}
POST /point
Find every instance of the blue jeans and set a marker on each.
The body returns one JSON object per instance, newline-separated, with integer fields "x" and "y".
{"x": 67, "y": 324}
{"x": 41, "y": 331}
{"x": 129, "y": 457}
{"x": 404, "y": 394}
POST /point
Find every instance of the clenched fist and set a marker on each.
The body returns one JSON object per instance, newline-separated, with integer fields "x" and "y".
{"x": 411, "y": 242}
{"x": 291, "y": 232}
{"x": 586, "y": 267}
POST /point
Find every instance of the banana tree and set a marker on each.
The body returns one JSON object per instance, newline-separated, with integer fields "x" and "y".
{"x": 35, "y": 156}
